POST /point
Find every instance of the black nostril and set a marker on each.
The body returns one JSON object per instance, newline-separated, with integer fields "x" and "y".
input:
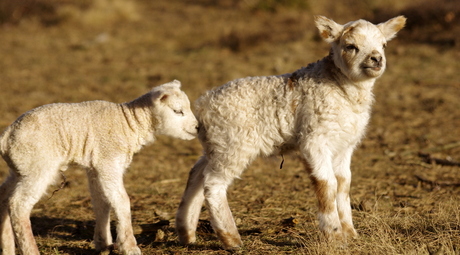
{"x": 376, "y": 59}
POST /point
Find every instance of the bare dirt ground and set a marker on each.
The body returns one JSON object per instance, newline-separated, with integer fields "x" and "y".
{"x": 406, "y": 186}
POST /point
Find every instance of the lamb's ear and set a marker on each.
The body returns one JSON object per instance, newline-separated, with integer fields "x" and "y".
{"x": 174, "y": 84}
{"x": 392, "y": 26}
{"x": 160, "y": 95}
{"x": 164, "y": 97}
{"x": 162, "y": 92}
{"x": 328, "y": 29}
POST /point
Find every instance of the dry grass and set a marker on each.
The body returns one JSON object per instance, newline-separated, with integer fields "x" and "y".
{"x": 74, "y": 51}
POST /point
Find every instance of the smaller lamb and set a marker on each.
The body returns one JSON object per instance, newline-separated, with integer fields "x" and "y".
{"x": 98, "y": 135}
{"x": 321, "y": 111}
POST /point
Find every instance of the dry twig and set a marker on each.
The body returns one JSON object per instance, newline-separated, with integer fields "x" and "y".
{"x": 427, "y": 158}
{"x": 437, "y": 183}
{"x": 63, "y": 183}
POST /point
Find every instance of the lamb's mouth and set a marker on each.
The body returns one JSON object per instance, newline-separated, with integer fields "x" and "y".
{"x": 373, "y": 68}
{"x": 192, "y": 133}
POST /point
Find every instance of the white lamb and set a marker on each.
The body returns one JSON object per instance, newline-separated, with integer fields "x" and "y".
{"x": 98, "y": 135}
{"x": 321, "y": 110}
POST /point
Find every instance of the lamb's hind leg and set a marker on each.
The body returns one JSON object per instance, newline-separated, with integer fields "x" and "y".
{"x": 28, "y": 191}
{"x": 190, "y": 206}
{"x": 218, "y": 175}
{"x": 6, "y": 231}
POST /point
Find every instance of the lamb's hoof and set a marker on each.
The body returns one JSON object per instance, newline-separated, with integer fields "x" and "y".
{"x": 349, "y": 232}
{"x": 231, "y": 243}
{"x": 187, "y": 239}
{"x": 335, "y": 236}
{"x": 133, "y": 251}
{"x": 351, "y": 235}
{"x": 340, "y": 238}
{"x": 233, "y": 250}
{"x": 105, "y": 251}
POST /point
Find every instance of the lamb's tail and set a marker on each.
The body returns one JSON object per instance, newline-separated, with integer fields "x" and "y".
{"x": 3, "y": 140}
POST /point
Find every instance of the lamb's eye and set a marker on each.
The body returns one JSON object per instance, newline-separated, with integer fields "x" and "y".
{"x": 351, "y": 47}
{"x": 384, "y": 46}
{"x": 179, "y": 112}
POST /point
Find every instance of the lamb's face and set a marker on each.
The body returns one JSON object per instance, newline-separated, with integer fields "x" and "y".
{"x": 359, "y": 52}
{"x": 173, "y": 113}
{"x": 358, "y": 46}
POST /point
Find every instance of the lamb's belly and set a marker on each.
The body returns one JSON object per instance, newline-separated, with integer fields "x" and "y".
{"x": 80, "y": 149}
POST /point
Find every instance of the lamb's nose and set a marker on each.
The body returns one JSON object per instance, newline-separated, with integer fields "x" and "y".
{"x": 376, "y": 57}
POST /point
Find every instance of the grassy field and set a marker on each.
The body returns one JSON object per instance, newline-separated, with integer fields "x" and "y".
{"x": 406, "y": 183}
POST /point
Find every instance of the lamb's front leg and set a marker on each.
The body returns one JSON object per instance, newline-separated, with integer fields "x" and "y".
{"x": 111, "y": 184}
{"x": 215, "y": 191}
{"x": 343, "y": 175}
{"x": 319, "y": 163}
{"x": 102, "y": 235}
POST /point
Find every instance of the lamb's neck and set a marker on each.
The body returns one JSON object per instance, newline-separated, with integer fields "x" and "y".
{"x": 366, "y": 85}
{"x": 139, "y": 119}
{"x": 355, "y": 90}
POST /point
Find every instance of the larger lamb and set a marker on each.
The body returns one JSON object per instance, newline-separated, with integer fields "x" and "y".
{"x": 321, "y": 110}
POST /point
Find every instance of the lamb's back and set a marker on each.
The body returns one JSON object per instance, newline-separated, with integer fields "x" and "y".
{"x": 63, "y": 129}
{"x": 252, "y": 110}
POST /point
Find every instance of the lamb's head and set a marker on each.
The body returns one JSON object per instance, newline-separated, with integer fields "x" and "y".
{"x": 171, "y": 109}
{"x": 358, "y": 46}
